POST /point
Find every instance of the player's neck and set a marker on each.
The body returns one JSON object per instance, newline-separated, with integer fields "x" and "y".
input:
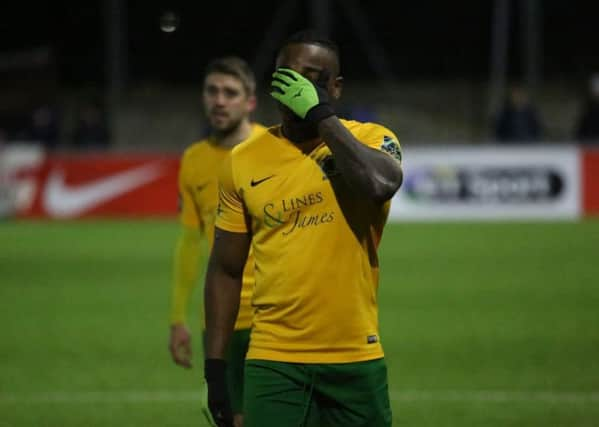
{"x": 305, "y": 137}
{"x": 235, "y": 136}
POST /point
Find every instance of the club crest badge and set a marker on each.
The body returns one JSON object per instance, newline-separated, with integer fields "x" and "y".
{"x": 391, "y": 146}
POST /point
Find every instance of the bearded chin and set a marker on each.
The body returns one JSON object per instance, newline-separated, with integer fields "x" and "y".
{"x": 221, "y": 133}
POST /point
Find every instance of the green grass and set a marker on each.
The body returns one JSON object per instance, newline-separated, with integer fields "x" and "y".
{"x": 483, "y": 324}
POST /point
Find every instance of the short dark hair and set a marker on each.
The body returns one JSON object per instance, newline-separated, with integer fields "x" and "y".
{"x": 235, "y": 67}
{"x": 311, "y": 36}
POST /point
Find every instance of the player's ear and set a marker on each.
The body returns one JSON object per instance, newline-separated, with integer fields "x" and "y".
{"x": 337, "y": 87}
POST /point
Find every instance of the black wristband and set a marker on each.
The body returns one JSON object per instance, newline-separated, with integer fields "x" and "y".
{"x": 214, "y": 369}
{"x": 320, "y": 112}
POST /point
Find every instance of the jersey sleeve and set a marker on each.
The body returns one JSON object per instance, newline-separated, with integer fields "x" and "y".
{"x": 382, "y": 139}
{"x": 185, "y": 273}
{"x": 230, "y": 212}
{"x": 188, "y": 212}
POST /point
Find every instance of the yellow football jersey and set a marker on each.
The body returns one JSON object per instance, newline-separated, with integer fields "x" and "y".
{"x": 198, "y": 193}
{"x": 314, "y": 244}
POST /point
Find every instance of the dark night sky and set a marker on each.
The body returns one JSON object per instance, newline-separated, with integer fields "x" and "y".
{"x": 444, "y": 39}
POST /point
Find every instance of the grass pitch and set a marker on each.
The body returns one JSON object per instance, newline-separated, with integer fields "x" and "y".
{"x": 493, "y": 324}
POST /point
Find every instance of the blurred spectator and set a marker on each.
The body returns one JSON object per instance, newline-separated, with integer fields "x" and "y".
{"x": 587, "y": 127}
{"x": 518, "y": 120}
{"x": 44, "y": 126}
{"x": 91, "y": 127}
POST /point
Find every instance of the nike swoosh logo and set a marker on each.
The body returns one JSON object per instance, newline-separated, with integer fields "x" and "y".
{"x": 260, "y": 181}
{"x": 299, "y": 93}
{"x": 62, "y": 201}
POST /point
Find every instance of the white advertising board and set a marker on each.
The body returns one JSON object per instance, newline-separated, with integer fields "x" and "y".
{"x": 479, "y": 183}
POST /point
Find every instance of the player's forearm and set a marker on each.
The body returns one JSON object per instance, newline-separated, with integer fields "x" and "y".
{"x": 221, "y": 299}
{"x": 185, "y": 273}
{"x": 375, "y": 174}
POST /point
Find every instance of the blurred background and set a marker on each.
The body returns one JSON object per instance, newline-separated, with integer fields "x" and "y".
{"x": 489, "y": 285}
{"x": 435, "y": 71}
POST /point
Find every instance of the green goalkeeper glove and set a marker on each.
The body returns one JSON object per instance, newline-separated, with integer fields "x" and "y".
{"x": 310, "y": 101}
